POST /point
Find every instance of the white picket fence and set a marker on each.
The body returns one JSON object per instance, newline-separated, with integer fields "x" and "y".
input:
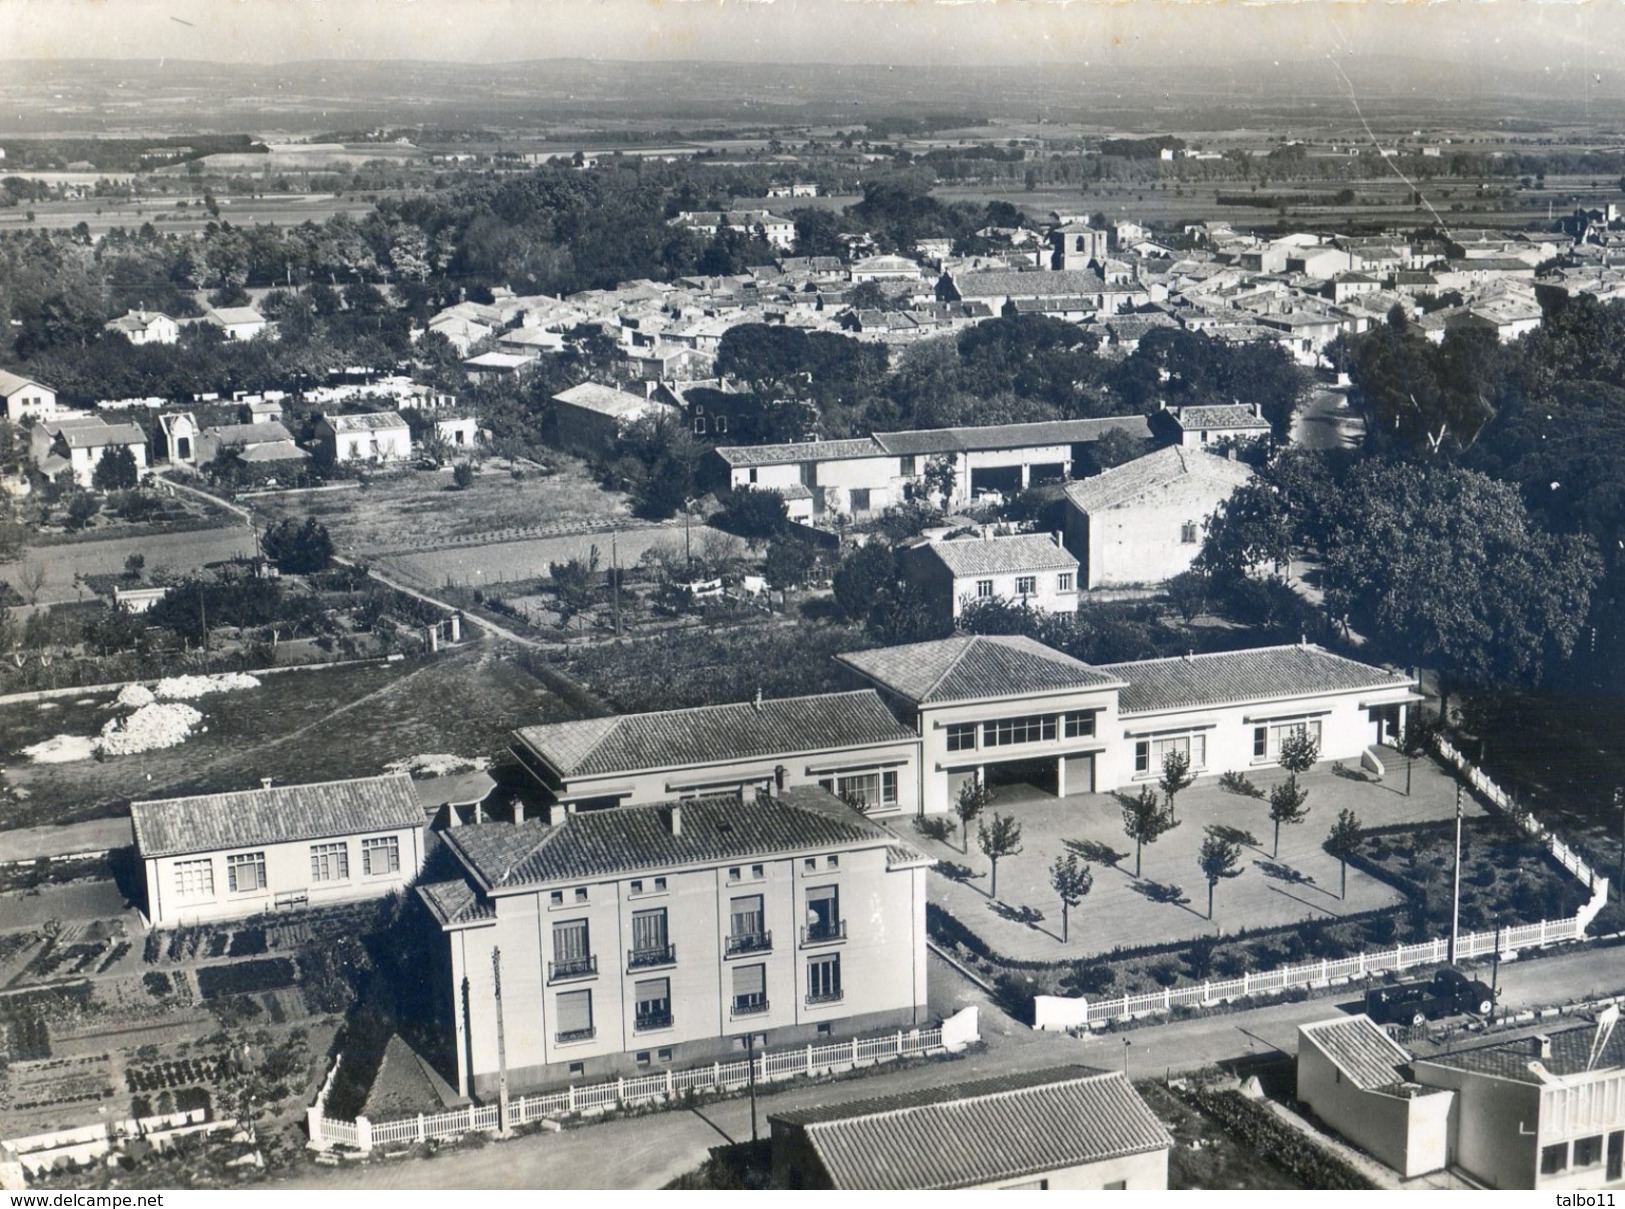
{"x": 362, "y": 1134}
{"x": 1057, "y": 1013}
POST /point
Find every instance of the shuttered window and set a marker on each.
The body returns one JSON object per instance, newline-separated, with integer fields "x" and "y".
{"x": 573, "y": 1011}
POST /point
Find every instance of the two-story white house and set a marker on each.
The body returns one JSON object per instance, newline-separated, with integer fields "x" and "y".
{"x": 75, "y": 447}
{"x": 375, "y": 437}
{"x": 26, "y": 398}
{"x": 648, "y": 937}
{"x": 1141, "y": 523}
{"x": 145, "y": 327}
{"x": 1033, "y": 569}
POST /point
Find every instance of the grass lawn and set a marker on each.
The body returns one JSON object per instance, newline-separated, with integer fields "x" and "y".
{"x": 310, "y": 725}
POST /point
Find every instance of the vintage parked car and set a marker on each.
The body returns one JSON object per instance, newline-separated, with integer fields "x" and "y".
{"x": 1448, "y": 993}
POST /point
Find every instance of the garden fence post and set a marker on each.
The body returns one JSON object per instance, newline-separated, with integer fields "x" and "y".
{"x": 1399, "y": 957}
{"x": 1167, "y": 999}
{"x": 669, "y": 1087}
{"x": 572, "y": 1097}
{"x": 1324, "y": 977}
{"x": 716, "y": 1074}
{"x": 420, "y": 1127}
{"x": 1207, "y": 992}
{"x": 809, "y": 1060}
{"x": 1246, "y": 983}
{"x": 854, "y": 1051}
{"x": 620, "y": 1089}
{"x": 899, "y": 1043}
{"x": 363, "y": 1135}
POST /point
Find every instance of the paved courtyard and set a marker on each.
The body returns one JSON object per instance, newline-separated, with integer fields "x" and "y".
{"x": 1302, "y": 883}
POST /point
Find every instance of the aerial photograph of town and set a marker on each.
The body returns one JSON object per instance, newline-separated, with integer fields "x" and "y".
{"x": 827, "y": 594}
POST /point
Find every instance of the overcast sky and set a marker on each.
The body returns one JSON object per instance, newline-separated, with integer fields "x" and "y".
{"x": 1558, "y": 35}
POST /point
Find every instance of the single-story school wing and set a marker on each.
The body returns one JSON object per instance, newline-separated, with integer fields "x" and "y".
{"x": 846, "y": 743}
{"x": 1009, "y": 707}
{"x": 228, "y": 855}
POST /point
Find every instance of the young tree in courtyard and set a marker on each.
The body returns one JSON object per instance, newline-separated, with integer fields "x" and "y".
{"x": 974, "y": 797}
{"x": 1286, "y": 806}
{"x": 1000, "y": 837}
{"x": 1145, "y": 821}
{"x": 116, "y": 471}
{"x": 1071, "y": 879}
{"x": 1176, "y": 776}
{"x": 1217, "y": 859}
{"x": 1342, "y": 842}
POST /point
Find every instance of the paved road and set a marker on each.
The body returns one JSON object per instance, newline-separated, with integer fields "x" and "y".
{"x": 66, "y": 839}
{"x": 1326, "y": 422}
{"x": 650, "y": 1151}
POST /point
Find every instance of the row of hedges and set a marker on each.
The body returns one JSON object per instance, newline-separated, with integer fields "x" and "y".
{"x": 245, "y": 978}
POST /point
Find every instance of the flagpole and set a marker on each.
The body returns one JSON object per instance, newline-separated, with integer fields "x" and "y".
{"x": 1455, "y": 894}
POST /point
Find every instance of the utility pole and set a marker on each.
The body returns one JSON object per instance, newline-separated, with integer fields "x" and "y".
{"x": 1455, "y": 892}
{"x": 615, "y": 580}
{"x": 1619, "y": 805}
{"x": 502, "y": 1046}
{"x": 1495, "y": 971}
{"x": 750, "y": 1074}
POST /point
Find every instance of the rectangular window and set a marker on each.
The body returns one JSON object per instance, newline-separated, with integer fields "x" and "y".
{"x": 329, "y": 862}
{"x": 908, "y": 465}
{"x": 1063, "y": 582}
{"x": 382, "y": 855}
{"x": 1079, "y": 724}
{"x": 1554, "y": 1159}
{"x": 660, "y": 885}
{"x": 747, "y": 926}
{"x": 1149, "y": 754}
{"x": 555, "y": 898}
{"x": 649, "y": 943}
{"x": 581, "y": 894}
{"x": 572, "y": 952}
{"x": 750, "y": 990}
{"x": 824, "y": 979}
{"x": 1033, "y": 728}
{"x": 870, "y": 789}
{"x": 1026, "y": 585}
{"x": 984, "y": 589}
{"x": 1588, "y": 1151}
{"x": 573, "y": 1015}
{"x": 652, "y": 1005}
{"x": 1142, "y": 756}
{"x": 962, "y": 736}
{"x": 824, "y": 920}
{"x": 753, "y": 474}
{"x": 1261, "y": 742}
{"x": 1187, "y": 533}
{"x": 1276, "y": 731}
{"x": 860, "y": 499}
{"x": 245, "y": 872}
{"x": 194, "y": 879}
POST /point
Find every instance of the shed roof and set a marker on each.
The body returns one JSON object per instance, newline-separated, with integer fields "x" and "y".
{"x": 1368, "y": 1057}
{"x": 713, "y": 733}
{"x": 11, "y": 383}
{"x": 1235, "y": 677}
{"x": 281, "y": 814}
{"x": 975, "y": 667}
{"x": 1513, "y": 1058}
{"x": 1221, "y": 415}
{"x": 606, "y": 400}
{"x": 986, "y": 1132}
{"x": 986, "y": 437}
{"x": 375, "y": 421}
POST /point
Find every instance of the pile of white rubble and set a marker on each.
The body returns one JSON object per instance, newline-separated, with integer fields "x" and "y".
{"x": 157, "y": 720}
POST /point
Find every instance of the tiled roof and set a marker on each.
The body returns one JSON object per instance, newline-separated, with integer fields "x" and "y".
{"x": 236, "y": 314}
{"x": 1234, "y": 677}
{"x": 1009, "y": 436}
{"x": 455, "y": 902}
{"x": 980, "y": 1133}
{"x": 11, "y": 383}
{"x": 281, "y": 814}
{"x": 1221, "y": 415}
{"x": 92, "y": 436}
{"x": 607, "y": 843}
{"x": 1369, "y": 1057}
{"x": 711, "y": 733}
{"x": 974, "y": 667}
{"x": 249, "y": 434}
{"x": 1570, "y": 1055}
{"x": 1002, "y": 555}
{"x": 605, "y": 400}
{"x": 801, "y": 451}
{"x": 272, "y": 451}
{"x": 371, "y": 422}
{"x": 1133, "y": 479}
{"x": 1052, "y": 284}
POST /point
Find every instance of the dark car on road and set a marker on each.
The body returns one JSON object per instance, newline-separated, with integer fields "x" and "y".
{"x": 1448, "y": 993}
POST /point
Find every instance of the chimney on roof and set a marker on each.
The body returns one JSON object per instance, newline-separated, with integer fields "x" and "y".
{"x": 757, "y": 703}
{"x": 675, "y": 818}
{"x": 1540, "y": 1045}
{"x": 557, "y": 813}
{"x": 265, "y": 782}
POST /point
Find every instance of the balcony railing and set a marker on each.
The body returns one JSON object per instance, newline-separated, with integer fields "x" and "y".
{"x": 824, "y": 933}
{"x": 645, "y": 1022}
{"x": 642, "y": 959}
{"x": 576, "y": 1034}
{"x": 750, "y": 1007}
{"x": 816, "y": 997}
{"x": 750, "y": 942}
{"x": 573, "y": 967}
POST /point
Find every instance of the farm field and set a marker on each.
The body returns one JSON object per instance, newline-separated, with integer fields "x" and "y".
{"x": 420, "y": 510}
{"x": 483, "y": 564}
{"x": 180, "y": 552}
{"x": 309, "y": 725}
{"x": 103, "y": 214}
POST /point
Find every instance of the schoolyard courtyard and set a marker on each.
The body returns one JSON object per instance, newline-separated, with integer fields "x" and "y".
{"x": 1122, "y": 911}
